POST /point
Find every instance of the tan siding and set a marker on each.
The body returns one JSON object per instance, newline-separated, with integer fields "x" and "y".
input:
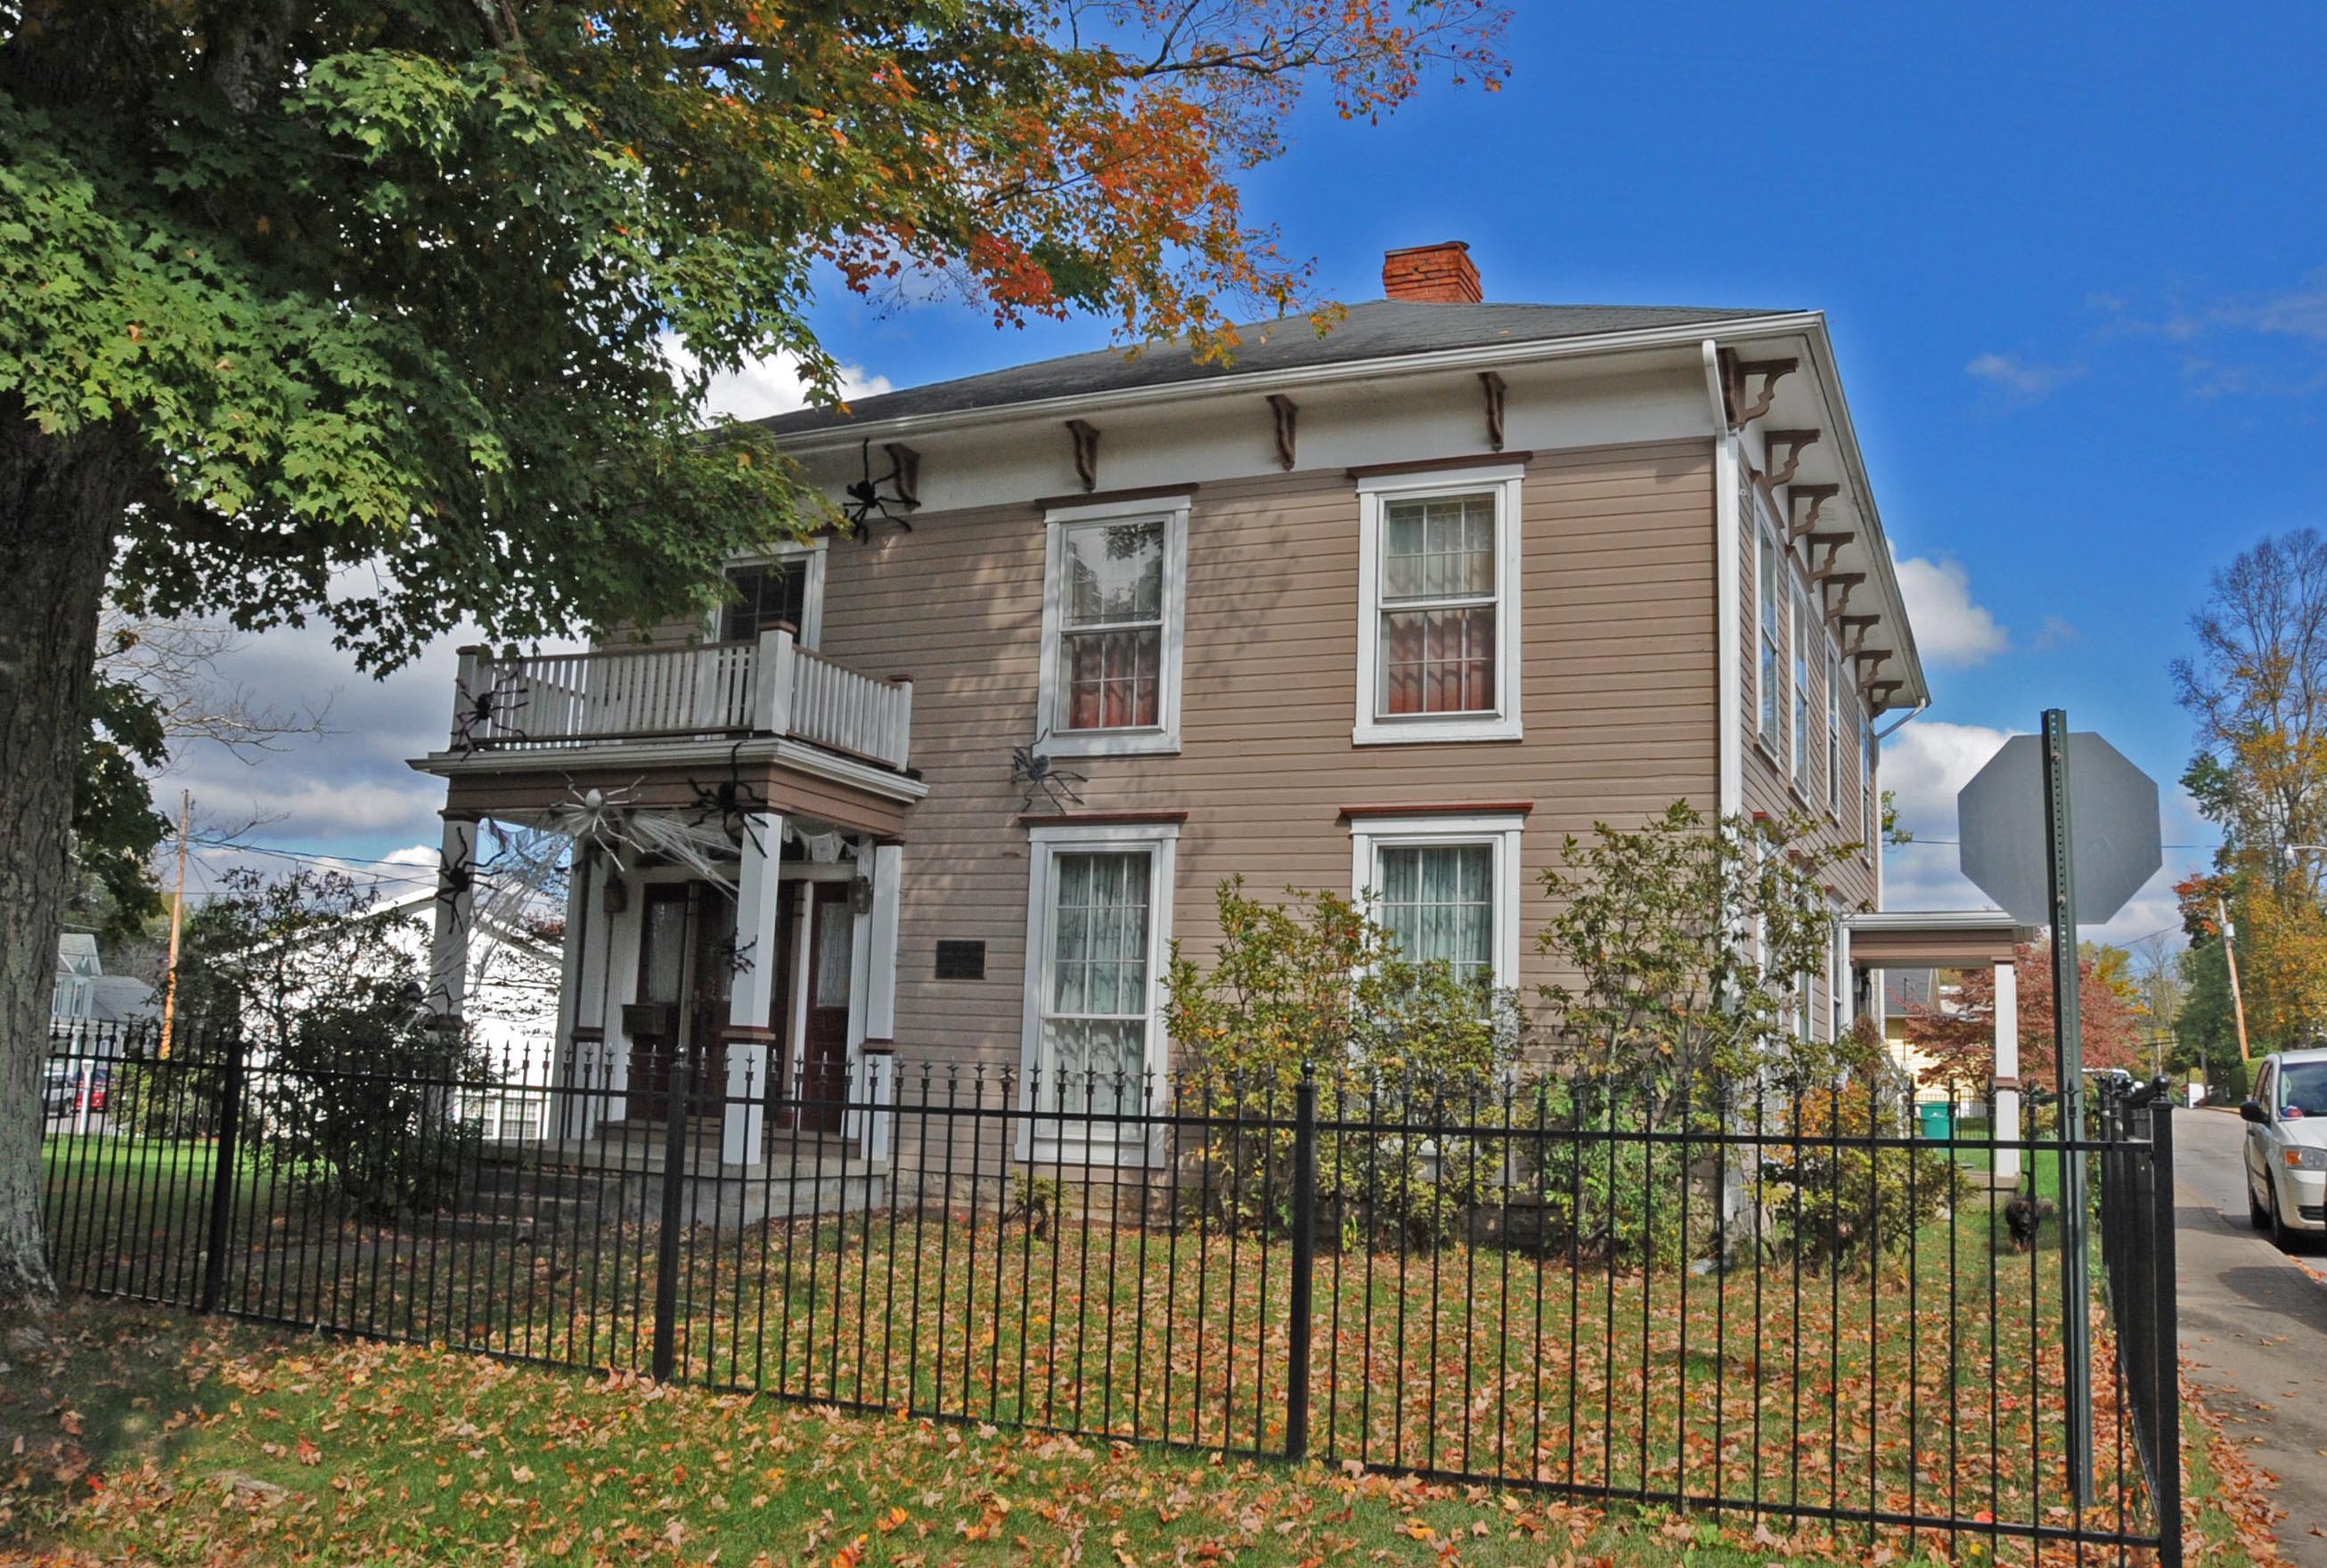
{"x": 1617, "y": 681}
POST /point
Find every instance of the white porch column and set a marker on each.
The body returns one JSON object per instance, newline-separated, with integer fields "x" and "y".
{"x": 888, "y": 903}
{"x": 2004, "y": 1107}
{"x": 752, "y": 1000}
{"x": 448, "y": 950}
{"x": 565, "y": 1052}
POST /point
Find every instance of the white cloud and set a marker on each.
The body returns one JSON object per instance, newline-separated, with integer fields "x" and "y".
{"x": 1950, "y": 628}
{"x": 1927, "y": 763}
{"x": 2022, "y": 378}
{"x": 771, "y": 386}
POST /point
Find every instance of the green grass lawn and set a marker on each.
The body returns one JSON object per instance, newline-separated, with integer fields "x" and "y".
{"x": 146, "y": 1435}
{"x": 1928, "y": 1385}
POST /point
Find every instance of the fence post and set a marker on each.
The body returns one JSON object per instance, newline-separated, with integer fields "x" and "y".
{"x": 2165, "y": 1324}
{"x": 674, "y": 1177}
{"x": 1304, "y": 1266}
{"x": 225, "y": 1152}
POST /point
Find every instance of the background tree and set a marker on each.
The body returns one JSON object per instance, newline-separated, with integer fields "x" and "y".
{"x": 293, "y": 286}
{"x": 2205, "y": 1031}
{"x": 2257, "y": 689}
{"x": 1959, "y": 1038}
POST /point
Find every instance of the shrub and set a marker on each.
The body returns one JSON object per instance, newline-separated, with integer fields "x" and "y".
{"x": 1415, "y": 1054}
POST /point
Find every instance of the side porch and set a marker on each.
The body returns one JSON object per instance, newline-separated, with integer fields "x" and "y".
{"x": 726, "y": 985}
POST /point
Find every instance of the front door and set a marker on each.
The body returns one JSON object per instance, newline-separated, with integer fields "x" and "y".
{"x": 824, "y": 1053}
{"x": 684, "y": 975}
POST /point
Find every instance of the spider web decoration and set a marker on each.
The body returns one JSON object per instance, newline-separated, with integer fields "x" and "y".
{"x": 489, "y": 715}
{"x": 866, "y": 501}
{"x": 1042, "y": 775}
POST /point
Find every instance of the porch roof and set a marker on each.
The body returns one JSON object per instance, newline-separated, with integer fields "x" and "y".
{"x": 1934, "y": 939}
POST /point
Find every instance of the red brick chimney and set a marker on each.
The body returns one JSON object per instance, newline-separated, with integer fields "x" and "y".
{"x": 1439, "y": 273}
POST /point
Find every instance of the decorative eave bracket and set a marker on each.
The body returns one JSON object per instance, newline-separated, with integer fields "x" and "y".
{"x": 1491, "y": 384}
{"x": 1857, "y": 626}
{"x": 1817, "y": 495}
{"x": 1795, "y": 443}
{"x": 1287, "y": 413}
{"x": 1831, "y": 543}
{"x": 1086, "y": 436}
{"x": 1743, "y": 409}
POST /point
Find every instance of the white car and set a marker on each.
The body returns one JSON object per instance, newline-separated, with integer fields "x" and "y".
{"x": 2286, "y": 1144}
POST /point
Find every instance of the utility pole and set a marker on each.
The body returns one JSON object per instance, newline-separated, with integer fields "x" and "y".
{"x": 2230, "y": 952}
{"x": 177, "y": 917}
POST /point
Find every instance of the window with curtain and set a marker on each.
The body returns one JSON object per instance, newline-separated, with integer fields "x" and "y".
{"x": 1111, "y": 625}
{"x": 1438, "y": 606}
{"x": 1769, "y": 593}
{"x": 1802, "y": 734}
{"x": 1096, "y": 1007}
{"x": 1437, "y": 901}
{"x": 767, "y": 596}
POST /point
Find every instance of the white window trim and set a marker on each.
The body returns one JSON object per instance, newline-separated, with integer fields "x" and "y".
{"x": 1504, "y": 723}
{"x": 1833, "y": 690}
{"x": 1501, "y": 830}
{"x": 811, "y": 627}
{"x": 1163, "y": 738}
{"x": 1801, "y": 667}
{"x": 1162, "y": 842}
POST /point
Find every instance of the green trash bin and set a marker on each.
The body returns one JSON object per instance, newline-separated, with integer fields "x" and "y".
{"x": 1938, "y": 1118}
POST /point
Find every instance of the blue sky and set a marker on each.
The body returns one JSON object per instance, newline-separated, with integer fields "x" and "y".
{"x": 2075, "y": 270}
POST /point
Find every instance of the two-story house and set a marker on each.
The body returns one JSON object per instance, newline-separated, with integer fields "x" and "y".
{"x": 1391, "y": 609}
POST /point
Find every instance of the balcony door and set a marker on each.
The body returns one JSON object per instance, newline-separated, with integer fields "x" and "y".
{"x": 684, "y": 975}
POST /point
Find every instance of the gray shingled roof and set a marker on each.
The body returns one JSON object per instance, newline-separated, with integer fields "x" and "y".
{"x": 1381, "y": 329}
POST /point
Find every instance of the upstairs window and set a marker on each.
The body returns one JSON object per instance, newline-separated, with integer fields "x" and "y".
{"x": 1114, "y": 605}
{"x": 1438, "y": 640}
{"x": 786, "y": 592}
{"x": 1833, "y": 691}
{"x": 1803, "y": 625}
{"x": 1770, "y": 598}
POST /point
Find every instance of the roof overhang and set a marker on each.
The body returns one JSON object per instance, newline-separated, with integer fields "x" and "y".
{"x": 1935, "y": 940}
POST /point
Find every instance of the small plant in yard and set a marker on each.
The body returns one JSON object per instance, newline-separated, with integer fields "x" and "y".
{"x": 1313, "y": 988}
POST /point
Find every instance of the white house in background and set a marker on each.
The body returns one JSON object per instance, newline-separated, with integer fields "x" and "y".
{"x": 512, "y": 987}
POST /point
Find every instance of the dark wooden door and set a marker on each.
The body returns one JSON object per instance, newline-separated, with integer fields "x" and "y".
{"x": 684, "y": 975}
{"x": 824, "y": 1054}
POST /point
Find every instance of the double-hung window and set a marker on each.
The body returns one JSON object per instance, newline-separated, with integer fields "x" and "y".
{"x": 1804, "y": 626}
{"x": 1870, "y": 828}
{"x": 1098, "y": 913}
{"x": 1444, "y": 887}
{"x": 1770, "y": 602}
{"x": 785, "y": 592}
{"x": 1833, "y": 690}
{"x": 1114, "y": 611}
{"x": 1438, "y": 631}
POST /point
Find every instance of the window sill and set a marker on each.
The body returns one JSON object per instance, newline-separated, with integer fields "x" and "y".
{"x": 1110, "y": 744}
{"x": 1428, "y": 732}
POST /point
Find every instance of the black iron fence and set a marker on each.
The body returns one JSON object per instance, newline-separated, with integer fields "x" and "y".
{"x": 1808, "y": 1301}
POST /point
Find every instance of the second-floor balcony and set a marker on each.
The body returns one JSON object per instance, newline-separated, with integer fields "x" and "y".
{"x": 770, "y": 686}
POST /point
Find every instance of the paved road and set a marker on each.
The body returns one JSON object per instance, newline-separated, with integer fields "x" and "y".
{"x": 2254, "y": 1328}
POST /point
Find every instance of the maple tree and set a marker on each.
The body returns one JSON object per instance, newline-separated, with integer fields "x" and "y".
{"x": 1959, "y": 1038}
{"x": 394, "y": 314}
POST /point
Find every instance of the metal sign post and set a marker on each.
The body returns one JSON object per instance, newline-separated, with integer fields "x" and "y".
{"x": 2070, "y": 1067}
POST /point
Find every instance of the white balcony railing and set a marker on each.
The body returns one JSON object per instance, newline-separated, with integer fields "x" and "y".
{"x": 769, "y": 687}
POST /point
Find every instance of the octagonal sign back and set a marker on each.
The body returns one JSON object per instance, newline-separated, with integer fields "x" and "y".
{"x": 2112, "y": 821}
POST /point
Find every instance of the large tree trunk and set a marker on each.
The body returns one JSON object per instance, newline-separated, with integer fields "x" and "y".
{"x": 60, "y": 501}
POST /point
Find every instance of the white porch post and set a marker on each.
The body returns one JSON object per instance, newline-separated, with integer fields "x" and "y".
{"x": 752, "y": 1000}
{"x": 565, "y": 1066}
{"x": 879, "y": 1051}
{"x": 2003, "y": 1108}
{"x": 448, "y": 951}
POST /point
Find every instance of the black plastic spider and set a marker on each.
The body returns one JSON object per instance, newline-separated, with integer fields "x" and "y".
{"x": 733, "y": 800}
{"x": 864, "y": 498}
{"x": 1040, "y": 773}
{"x": 738, "y": 954}
{"x": 455, "y": 881}
{"x": 489, "y": 715}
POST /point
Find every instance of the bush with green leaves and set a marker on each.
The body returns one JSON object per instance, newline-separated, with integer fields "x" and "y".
{"x": 350, "y": 1087}
{"x": 1418, "y": 1056}
{"x": 1831, "y": 1195}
